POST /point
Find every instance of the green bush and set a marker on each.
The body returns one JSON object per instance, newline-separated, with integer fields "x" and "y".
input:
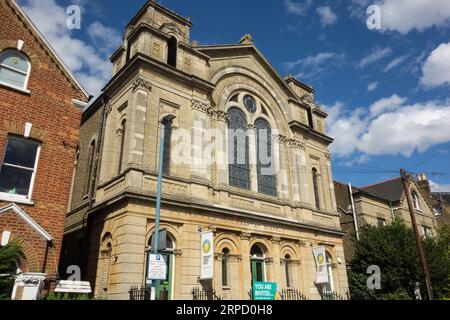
{"x": 9, "y": 255}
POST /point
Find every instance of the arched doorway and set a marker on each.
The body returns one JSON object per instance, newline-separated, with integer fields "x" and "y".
{"x": 163, "y": 289}
{"x": 258, "y": 264}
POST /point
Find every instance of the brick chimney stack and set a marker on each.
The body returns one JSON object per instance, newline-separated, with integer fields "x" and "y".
{"x": 424, "y": 185}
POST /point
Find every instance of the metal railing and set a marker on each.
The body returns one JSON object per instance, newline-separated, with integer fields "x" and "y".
{"x": 199, "y": 294}
{"x": 329, "y": 295}
{"x": 292, "y": 294}
{"x": 140, "y": 293}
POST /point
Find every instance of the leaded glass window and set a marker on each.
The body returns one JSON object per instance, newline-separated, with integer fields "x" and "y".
{"x": 265, "y": 166}
{"x": 316, "y": 187}
{"x": 239, "y": 164}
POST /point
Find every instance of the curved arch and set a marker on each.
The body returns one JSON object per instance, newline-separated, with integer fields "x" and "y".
{"x": 29, "y": 254}
{"x": 227, "y": 241}
{"x": 16, "y": 66}
{"x": 264, "y": 244}
{"x": 172, "y": 232}
{"x": 231, "y": 83}
{"x": 289, "y": 249}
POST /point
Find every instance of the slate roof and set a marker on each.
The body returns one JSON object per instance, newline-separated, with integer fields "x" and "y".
{"x": 390, "y": 190}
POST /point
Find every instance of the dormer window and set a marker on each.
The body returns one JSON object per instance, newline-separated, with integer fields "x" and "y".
{"x": 14, "y": 69}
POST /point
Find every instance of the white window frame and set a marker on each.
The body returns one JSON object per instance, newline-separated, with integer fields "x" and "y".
{"x": 427, "y": 231}
{"x": 20, "y": 198}
{"x": 415, "y": 199}
{"x": 27, "y": 74}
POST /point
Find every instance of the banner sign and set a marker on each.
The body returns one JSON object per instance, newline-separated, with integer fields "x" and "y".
{"x": 207, "y": 262}
{"x": 157, "y": 267}
{"x": 264, "y": 291}
{"x": 321, "y": 265}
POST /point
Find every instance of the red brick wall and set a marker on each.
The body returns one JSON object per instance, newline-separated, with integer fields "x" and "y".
{"x": 56, "y": 124}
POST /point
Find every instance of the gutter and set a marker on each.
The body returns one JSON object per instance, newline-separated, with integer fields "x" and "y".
{"x": 350, "y": 190}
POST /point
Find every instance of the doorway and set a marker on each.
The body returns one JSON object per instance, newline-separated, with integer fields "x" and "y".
{"x": 257, "y": 264}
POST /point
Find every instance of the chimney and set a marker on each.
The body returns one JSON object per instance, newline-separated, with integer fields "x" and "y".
{"x": 424, "y": 185}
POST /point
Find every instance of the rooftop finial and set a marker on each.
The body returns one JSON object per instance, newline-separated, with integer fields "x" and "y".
{"x": 246, "y": 39}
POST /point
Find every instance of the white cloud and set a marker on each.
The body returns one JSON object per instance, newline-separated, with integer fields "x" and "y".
{"x": 395, "y": 63}
{"x": 376, "y": 55}
{"x": 437, "y": 187}
{"x": 406, "y": 15}
{"x": 327, "y": 16}
{"x": 372, "y": 86}
{"x": 90, "y": 66}
{"x": 314, "y": 66}
{"x": 396, "y": 128}
{"x": 436, "y": 69}
{"x": 106, "y": 39}
{"x": 297, "y": 8}
{"x": 386, "y": 104}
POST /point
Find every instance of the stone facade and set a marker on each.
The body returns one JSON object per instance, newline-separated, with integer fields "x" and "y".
{"x": 373, "y": 209}
{"x": 158, "y": 72}
{"x": 46, "y": 105}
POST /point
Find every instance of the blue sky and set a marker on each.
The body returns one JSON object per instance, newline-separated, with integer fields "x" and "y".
{"x": 387, "y": 91}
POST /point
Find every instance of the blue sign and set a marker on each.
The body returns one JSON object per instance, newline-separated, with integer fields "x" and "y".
{"x": 265, "y": 291}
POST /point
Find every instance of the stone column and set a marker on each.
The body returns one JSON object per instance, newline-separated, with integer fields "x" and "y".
{"x": 246, "y": 276}
{"x": 331, "y": 195}
{"x": 276, "y": 254}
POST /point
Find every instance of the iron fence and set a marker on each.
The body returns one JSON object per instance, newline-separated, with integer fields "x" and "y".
{"x": 140, "y": 293}
{"x": 329, "y": 295}
{"x": 292, "y": 294}
{"x": 199, "y": 294}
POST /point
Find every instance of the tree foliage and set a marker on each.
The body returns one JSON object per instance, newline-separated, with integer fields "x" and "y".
{"x": 393, "y": 249}
{"x": 9, "y": 255}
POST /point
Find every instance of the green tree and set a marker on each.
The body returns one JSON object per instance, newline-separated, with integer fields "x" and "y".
{"x": 393, "y": 249}
{"x": 8, "y": 257}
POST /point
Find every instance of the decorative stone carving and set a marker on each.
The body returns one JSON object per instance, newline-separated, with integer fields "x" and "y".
{"x": 246, "y": 39}
{"x": 291, "y": 262}
{"x": 230, "y": 257}
{"x": 108, "y": 109}
{"x": 219, "y": 116}
{"x": 251, "y": 127}
{"x": 328, "y": 155}
{"x": 141, "y": 84}
{"x": 275, "y": 240}
{"x": 269, "y": 260}
{"x": 278, "y": 138}
{"x": 301, "y": 243}
{"x": 245, "y": 236}
{"x": 308, "y": 99}
{"x": 296, "y": 144}
{"x": 178, "y": 253}
{"x": 201, "y": 106}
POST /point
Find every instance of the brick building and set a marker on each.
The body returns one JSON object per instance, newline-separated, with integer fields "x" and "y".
{"x": 264, "y": 226}
{"x": 381, "y": 204}
{"x": 40, "y": 110}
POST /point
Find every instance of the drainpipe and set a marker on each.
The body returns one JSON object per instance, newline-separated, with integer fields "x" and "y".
{"x": 350, "y": 190}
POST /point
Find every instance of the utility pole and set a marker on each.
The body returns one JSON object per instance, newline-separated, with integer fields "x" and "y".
{"x": 417, "y": 235}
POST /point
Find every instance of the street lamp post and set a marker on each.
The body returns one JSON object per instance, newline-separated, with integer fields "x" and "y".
{"x": 165, "y": 122}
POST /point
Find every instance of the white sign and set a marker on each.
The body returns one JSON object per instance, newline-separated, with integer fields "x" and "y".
{"x": 207, "y": 262}
{"x": 321, "y": 265}
{"x": 157, "y": 267}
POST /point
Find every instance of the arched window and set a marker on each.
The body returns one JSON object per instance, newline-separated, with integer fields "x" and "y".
{"x": 172, "y": 52}
{"x": 225, "y": 255}
{"x": 265, "y": 165}
{"x": 122, "y": 144}
{"x": 315, "y": 177}
{"x": 90, "y": 165}
{"x": 14, "y": 69}
{"x": 415, "y": 199}
{"x": 239, "y": 164}
{"x": 257, "y": 264}
{"x": 287, "y": 266}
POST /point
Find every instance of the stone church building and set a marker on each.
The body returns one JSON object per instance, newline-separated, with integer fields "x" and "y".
{"x": 266, "y": 217}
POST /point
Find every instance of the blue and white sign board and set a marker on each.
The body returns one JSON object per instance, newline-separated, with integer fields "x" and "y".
{"x": 157, "y": 267}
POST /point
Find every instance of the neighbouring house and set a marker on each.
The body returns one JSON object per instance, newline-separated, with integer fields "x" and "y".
{"x": 40, "y": 111}
{"x": 381, "y": 204}
{"x": 264, "y": 223}
{"x": 440, "y": 201}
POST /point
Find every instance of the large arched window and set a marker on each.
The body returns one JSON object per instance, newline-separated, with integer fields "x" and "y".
{"x": 122, "y": 144}
{"x": 239, "y": 164}
{"x": 257, "y": 264}
{"x": 287, "y": 266}
{"x": 14, "y": 69}
{"x": 265, "y": 165}
{"x": 315, "y": 177}
{"x": 90, "y": 165}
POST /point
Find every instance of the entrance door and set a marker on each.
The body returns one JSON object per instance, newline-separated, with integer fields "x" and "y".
{"x": 163, "y": 288}
{"x": 258, "y": 272}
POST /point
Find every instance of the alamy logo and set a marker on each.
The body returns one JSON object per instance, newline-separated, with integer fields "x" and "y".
{"x": 374, "y": 17}
{"x": 374, "y": 281}
{"x": 74, "y": 19}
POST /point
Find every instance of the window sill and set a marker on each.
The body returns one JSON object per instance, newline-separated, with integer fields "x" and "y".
{"x": 10, "y": 86}
{"x": 10, "y": 198}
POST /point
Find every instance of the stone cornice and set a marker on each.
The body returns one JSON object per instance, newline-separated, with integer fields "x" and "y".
{"x": 142, "y": 84}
